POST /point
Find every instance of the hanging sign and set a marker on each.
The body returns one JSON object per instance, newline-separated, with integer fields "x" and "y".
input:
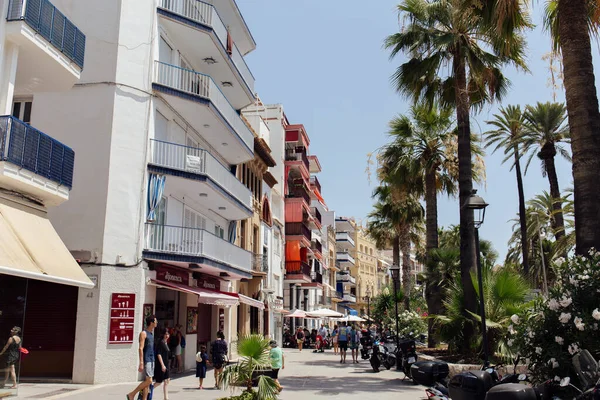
{"x": 122, "y": 317}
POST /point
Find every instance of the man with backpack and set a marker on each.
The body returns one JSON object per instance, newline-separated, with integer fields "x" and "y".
{"x": 343, "y": 336}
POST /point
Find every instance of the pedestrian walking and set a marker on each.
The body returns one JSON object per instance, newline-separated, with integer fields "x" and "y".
{"x": 277, "y": 362}
{"x": 354, "y": 340}
{"x": 343, "y": 334}
{"x": 334, "y": 339}
{"x": 219, "y": 351}
{"x": 300, "y": 338}
{"x": 146, "y": 356}
{"x": 201, "y": 363}
{"x": 161, "y": 369}
{"x": 12, "y": 348}
{"x": 175, "y": 347}
{"x": 322, "y": 335}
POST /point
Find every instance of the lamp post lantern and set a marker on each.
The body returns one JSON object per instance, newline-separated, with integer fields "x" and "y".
{"x": 478, "y": 205}
{"x": 395, "y": 270}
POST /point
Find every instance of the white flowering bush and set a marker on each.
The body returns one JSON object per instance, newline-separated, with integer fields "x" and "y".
{"x": 410, "y": 321}
{"x": 556, "y": 328}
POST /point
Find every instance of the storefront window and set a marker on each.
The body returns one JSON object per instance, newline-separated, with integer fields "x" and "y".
{"x": 13, "y": 293}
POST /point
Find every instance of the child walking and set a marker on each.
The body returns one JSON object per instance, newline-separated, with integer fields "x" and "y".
{"x": 201, "y": 362}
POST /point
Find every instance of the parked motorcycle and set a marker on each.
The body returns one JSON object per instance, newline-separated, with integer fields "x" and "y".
{"x": 407, "y": 355}
{"x": 366, "y": 342}
{"x": 382, "y": 355}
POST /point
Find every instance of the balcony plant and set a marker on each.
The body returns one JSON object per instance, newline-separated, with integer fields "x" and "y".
{"x": 254, "y": 361}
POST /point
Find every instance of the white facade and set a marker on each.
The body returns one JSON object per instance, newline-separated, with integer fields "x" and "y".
{"x": 158, "y": 96}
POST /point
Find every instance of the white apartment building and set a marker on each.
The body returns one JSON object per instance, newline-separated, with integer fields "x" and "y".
{"x": 153, "y": 216}
{"x": 41, "y": 50}
{"x": 269, "y": 122}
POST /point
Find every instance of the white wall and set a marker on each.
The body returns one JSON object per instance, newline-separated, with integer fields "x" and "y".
{"x": 110, "y": 362}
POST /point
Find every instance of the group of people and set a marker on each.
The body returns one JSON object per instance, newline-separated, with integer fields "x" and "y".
{"x": 157, "y": 356}
{"x": 343, "y": 337}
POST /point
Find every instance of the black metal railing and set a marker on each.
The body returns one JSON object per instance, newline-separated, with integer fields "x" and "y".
{"x": 260, "y": 263}
{"x": 317, "y": 246}
{"x": 298, "y": 154}
{"x": 318, "y": 216}
{"x": 297, "y": 267}
{"x": 23, "y": 145}
{"x": 338, "y": 294}
{"x": 315, "y": 182}
{"x": 52, "y": 25}
{"x": 298, "y": 229}
{"x": 299, "y": 191}
{"x": 318, "y": 277}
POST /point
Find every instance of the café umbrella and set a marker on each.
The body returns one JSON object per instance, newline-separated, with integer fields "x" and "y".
{"x": 324, "y": 313}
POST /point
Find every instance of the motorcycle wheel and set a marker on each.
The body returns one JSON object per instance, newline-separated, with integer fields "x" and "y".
{"x": 387, "y": 365}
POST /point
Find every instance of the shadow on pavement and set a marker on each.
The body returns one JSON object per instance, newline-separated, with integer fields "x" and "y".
{"x": 335, "y": 385}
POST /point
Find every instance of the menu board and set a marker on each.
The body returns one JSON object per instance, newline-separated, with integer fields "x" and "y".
{"x": 122, "y": 317}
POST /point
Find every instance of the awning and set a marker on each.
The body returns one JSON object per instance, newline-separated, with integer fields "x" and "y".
{"x": 204, "y": 296}
{"x": 31, "y": 248}
{"x": 247, "y": 300}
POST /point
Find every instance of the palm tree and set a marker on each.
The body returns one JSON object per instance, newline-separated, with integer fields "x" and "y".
{"x": 571, "y": 23}
{"x": 452, "y": 35}
{"x": 404, "y": 213}
{"x": 546, "y": 130}
{"x": 509, "y": 125}
{"x": 254, "y": 358}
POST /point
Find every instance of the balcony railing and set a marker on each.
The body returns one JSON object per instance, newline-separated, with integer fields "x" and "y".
{"x": 338, "y": 295}
{"x": 201, "y": 85}
{"x": 206, "y": 14}
{"x": 195, "y": 242}
{"x": 317, "y": 246}
{"x": 52, "y": 25}
{"x": 318, "y": 216}
{"x": 346, "y": 278}
{"x": 199, "y": 161}
{"x": 318, "y": 278}
{"x": 349, "y": 297}
{"x": 298, "y": 154}
{"x": 315, "y": 182}
{"x": 28, "y": 148}
{"x": 299, "y": 191}
{"x": 345, "y": 257}
{"x": 260, "y": 263}
{"x": 297, "y": 267}
{"x": 298, "y": 229}
{"x": 344, "y": 237}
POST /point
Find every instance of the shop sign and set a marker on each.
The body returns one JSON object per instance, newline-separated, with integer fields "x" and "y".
{"x": 206, "y": 282}
{"x": 122, "y": 317}
{"x": 173, "y": 275}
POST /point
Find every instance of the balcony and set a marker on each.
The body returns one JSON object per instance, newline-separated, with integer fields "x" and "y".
{"x": 317, "y": 246}
{"x": 317, "y": 277}
{"x": 345, "y": 259}
{"x": 196, "y": 170}
{"x": 299, "y": 191}
{"x": 297, "y": 272}
{"x": 191, "y": 245}
{"x": 51, "y": 48}
{"x": 200, "y": 101}
{"x": 314, "y": 182}
{"x": 343, "y": 224}
{"x": 344, "y": 241}
{"x": 350, "y": 298}
{"x": 260, "y": 264}
{"x": 346, "y": 278}
{"x": 199, "y": 32}
{"x": 298, "y": 229}
{"x": 34, "y": 163}
{"x": 337, "y": 296}
{"x": 298, "y": 156}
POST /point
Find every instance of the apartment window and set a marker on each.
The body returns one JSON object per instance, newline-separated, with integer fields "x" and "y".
{"x": 219, "y": 231}
{"x": 22, "y": 110}
{"x": 193, "y": 219}
{"x": 276, "y": 244}
{"x": 165, "y": 51}
{"x": 243, "y": 234}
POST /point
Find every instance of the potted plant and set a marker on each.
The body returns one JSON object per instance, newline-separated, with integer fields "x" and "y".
{"x": 254, "y": 361}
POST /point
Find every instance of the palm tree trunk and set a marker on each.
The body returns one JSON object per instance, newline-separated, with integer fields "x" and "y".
{"x": 465, "y": 186}
{"x": 432, "y": 291}
{"x": 584, "y": 120}
{"x": 558, "y": 222}
{"x": 406, "y": 270}
{"x": 522, "y": 215}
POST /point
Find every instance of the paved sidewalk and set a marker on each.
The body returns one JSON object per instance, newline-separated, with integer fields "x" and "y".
{"x": 307, "y": 375}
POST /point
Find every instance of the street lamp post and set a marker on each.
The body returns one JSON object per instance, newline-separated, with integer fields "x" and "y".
{"x": 395, "y": 270}
{"x": 478, "y": 205}
{"x": 368, "y": 298}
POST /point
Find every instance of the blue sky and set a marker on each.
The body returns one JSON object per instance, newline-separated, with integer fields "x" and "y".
{"x": 324, "y": 61}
